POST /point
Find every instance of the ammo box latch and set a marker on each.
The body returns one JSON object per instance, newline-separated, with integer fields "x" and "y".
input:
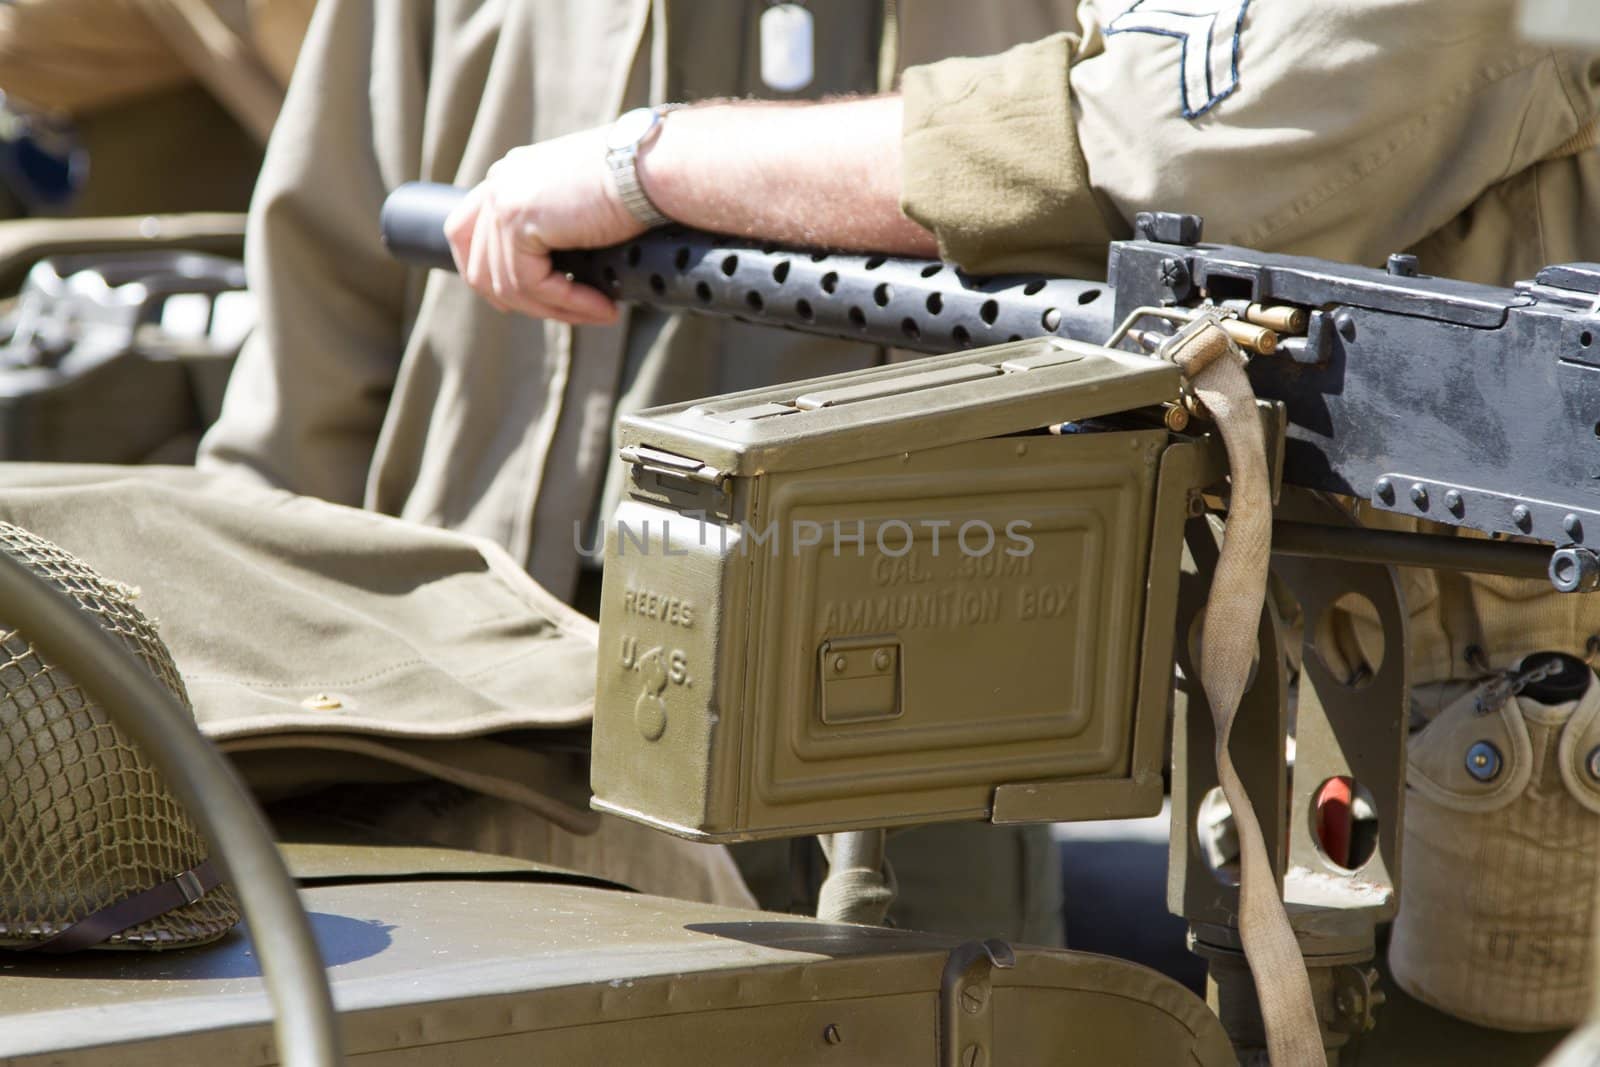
{"x": 671, "y": 465}
{"x": 860, "y": 680}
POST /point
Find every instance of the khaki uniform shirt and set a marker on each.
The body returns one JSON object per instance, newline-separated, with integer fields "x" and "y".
{"x": 1346, "y": 131}
{"x": 373, "y": 384}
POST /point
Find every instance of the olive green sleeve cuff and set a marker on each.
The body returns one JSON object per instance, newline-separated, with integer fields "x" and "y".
{"x": 991, "y": 164}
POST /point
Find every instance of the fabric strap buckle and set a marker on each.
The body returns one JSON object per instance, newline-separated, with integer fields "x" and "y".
{"x": 190, "y": 886}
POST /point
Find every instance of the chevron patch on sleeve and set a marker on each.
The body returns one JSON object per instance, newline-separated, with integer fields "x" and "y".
{"x": 1207, "y": 36}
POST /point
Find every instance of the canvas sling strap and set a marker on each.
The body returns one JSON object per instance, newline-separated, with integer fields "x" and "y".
{"x": 1214, "y": 366}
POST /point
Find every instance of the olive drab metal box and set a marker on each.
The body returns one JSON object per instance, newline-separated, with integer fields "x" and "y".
{"x": 891, "y": 597}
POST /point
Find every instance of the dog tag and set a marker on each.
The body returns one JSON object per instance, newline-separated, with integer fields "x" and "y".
{"x": 786, "y": 47}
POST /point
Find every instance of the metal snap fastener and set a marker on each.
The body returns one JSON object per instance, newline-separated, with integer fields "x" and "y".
{"x": 1593, "y": 763}
{"x": 1484, "y": 761}
{"x": 322, "y": 702}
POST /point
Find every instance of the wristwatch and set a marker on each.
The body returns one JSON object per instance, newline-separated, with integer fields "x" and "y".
{"x": 630, "y": 133}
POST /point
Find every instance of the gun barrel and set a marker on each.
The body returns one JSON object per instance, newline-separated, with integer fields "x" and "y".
{"x": 921, "y": 305}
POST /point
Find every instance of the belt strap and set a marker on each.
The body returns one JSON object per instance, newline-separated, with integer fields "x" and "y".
{"x": 112, "y": 919}
{"x": 1215, "y": 368}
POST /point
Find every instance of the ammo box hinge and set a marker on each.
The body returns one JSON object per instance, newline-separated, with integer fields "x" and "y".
{"x": 671, "y": 465}
{"x": 966, "y": 1003}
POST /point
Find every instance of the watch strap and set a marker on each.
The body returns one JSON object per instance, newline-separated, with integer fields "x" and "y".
{"x": 624, "y": 166}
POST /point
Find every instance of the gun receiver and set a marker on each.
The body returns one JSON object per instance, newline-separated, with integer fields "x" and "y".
{"x": 1467, "y": 405}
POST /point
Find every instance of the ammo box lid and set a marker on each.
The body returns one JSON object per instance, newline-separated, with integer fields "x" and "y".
{"x": 901, "y": 407}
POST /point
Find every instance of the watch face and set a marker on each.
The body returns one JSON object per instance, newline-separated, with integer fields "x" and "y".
{"x": 629, "y": 128}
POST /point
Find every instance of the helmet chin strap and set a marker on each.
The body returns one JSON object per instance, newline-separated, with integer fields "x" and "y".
{"x": 100, "y": 926}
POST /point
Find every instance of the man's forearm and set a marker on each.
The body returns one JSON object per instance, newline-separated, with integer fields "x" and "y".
{"x": 825, "y": 175}
{"x": 812, "y": 174}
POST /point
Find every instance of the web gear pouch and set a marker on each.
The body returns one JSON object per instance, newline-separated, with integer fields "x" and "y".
{"x": 1501, "y": 860}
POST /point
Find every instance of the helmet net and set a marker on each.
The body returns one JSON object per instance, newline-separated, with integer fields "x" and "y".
{"x": 85, "y": 820}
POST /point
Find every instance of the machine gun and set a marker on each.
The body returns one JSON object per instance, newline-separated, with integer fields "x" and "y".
{"x": 758, "y": 678}
{"x": 1466, "y": 405}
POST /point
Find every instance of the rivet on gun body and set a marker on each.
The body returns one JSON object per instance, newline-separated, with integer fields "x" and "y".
{"x": 1573, "y": 526}
{"x": 1454, "y": 504}
{"x": 1484, "y": 761}
{"x": 1522, "y": 517}
{"x": 1419, "y": 496}
{"x": 1383, "y": 489}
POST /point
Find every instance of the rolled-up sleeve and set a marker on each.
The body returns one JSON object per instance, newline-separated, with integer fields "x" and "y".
{"x": 992, "y": 166}
{"x": 1263, "y": 118}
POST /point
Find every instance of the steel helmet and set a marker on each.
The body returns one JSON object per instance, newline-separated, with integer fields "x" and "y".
{"x": 95, "y": 851}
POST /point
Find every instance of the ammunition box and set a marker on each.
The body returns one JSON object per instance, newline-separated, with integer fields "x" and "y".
{"x": 891, "y": 597}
